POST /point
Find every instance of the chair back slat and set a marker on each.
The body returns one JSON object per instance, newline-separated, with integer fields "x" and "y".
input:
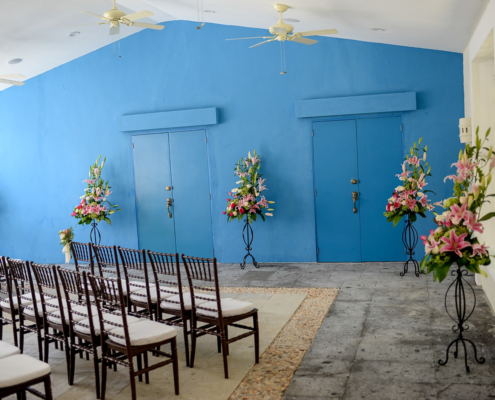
{"x": 82, "y": 254}
{"x": 201, "y": 272}
{"x": 107, "y": 260}
{"x": 167, "y": 275}
{"x": 24, "y": 285}
{"x": 52, "y": 301}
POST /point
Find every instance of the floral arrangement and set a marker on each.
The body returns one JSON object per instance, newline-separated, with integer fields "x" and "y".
{"x": 247, "y": 199}
{"x": 66, "y": 236}
{"x": 94, "y": 204}
{"x": 455, "y": 241}
{"x": 410, "y": 198}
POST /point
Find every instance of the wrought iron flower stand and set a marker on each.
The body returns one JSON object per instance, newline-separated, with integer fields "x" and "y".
{"x": 247, "y": 236}
{"x": 410, "y": 240}
{"x": 94, "y": 235}
{"x": 460, "y": 317}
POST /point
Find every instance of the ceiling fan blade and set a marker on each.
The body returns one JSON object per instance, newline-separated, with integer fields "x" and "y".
{"x": 12, "y": 76}
{"x": 138, "y": 15}
{"x": 302, "y": 40}
{"x": 316, "y": 33}
{"x": 9, "y": 82}
{"x": 114, "y": 30}
{"x": 95, "y": 15}
{"x": 266, "y": 41}
{"x": 149, "y": 26}
{"x": 259, "y": 37}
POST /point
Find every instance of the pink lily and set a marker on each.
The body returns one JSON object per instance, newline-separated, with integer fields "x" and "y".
{"x": 424, "y": 200}
{"x": 471, "y": 223}
{"x": 255, "y": 160}
{"x": 260, "y": 184}
{"x": 246, "y": 161}
{"x": 479, "y": 249}
{"x": 424, "y": 239}
{"x": 405, "y": 174}
{"x": 411, "y": 203}
{"x": 476, "y": 190}
{"x": 457, "y": 213}
{"x": 242, "y": 174}
{"x": 263, "y": 202}
{"x": 413, "y": 161}
{"x": 433, "y": 247}
{"x": 454, "y": 243}
{"x": 492, "y": 164}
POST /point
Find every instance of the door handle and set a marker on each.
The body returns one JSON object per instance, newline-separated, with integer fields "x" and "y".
{"x": 354, "y": 198}
{"x": 169, "y": 203}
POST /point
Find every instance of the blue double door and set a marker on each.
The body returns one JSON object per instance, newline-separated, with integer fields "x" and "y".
{"x": 173, "y": 193}
{"x": 355, "y": 163}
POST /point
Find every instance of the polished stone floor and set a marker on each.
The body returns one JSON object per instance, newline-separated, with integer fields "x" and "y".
{"x": 383, "y": 336}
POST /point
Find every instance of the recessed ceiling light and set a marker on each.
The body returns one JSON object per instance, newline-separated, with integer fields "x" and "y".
{"x": 378, "y": 29}
{"x": 15, "y": 61}
{"x": 75, "y": 33}
{"x": 209, "y": 11}
{"x": 292, "y": 20}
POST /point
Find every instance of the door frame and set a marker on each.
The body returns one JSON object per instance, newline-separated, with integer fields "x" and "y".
{"x": 344, "y": 118}
{"x": 159, "y": 131}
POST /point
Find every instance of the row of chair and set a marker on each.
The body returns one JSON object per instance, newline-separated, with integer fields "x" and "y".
{"x": 125, "y": 312}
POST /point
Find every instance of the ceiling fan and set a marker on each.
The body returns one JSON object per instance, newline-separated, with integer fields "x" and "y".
{"x": 8, "y": 79}
{"x": 115, "y": 17}
{"x": 282, "y": 31}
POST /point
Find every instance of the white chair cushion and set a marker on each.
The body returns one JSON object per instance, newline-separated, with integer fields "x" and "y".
{"x": 21, "y": 368}
{"x": 140, "y": 294}
{"x": 145, "y": 332}
{"x": 96, "y": 323}
{"x": 55, "y": 315}
{"x": 187, "y": 301}
{"x": 7, "y": 350}
{"x": 24, "y": 300}
{"x": 230, "y": 308}
{"x": 30, "y": 312}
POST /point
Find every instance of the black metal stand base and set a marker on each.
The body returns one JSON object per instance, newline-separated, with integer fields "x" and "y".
{"x": 94, "y": 235}
{"x": 410, "y": 240}
{"x": 460, "y": 320}
{"x": 247, "y": 236}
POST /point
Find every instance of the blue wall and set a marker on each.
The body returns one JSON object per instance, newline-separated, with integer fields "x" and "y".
{"x": 56, "y": 125}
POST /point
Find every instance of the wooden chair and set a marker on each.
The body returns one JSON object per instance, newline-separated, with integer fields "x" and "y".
{"x": 7, "y": 349}
{"x": 128, "y": 338}
{"x": 82, "y": 318}
{"x": 8, "y": 303}
{"x": 30, "y": 312}
{"x": 54, "y": 310}
{"x": 170, "y": 298}
{"x": 142, "y": 292}
{"x": 219, "y": 314}
{"x": 19, "y": 372}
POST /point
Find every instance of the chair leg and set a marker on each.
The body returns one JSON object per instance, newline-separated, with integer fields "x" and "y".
{"x": 146, "y": 375}
{"x": 46, "y": 344}
{"x": 219, "y": 342}
{"x": 133, "y": 380}
{"x": 1, "y": 324}
{"x": 72, "y": 365}
{"x": 186, "y": 343}
{"x": 139, "y": 366}
{"x": 56, "y": 343}
{"x": 256, "y": 338}
{"x": 14, "y": 331}
{"x": 97, "y": 373}
{"x": 193, "y": 344}
{"x": 21, "y": 338}
{"x": 81, "y": 355}
{"x": 103, "y": 375}
{"x": 40, "y": 344}
{"x": 227, "y": 337}
{"x": 224, "y": 354}
{"x": 175, "y": 365}
{"x": 48, "y": 388}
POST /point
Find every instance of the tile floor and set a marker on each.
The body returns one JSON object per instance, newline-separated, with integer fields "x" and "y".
{"x": 383, "y": 336}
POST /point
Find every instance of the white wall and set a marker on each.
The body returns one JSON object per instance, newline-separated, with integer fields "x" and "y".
{"x": 479, "y": 97}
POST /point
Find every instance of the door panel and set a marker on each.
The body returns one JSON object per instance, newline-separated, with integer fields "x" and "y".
{"x": 335, "y": 157}
{"x": 380, "y": 156}
{"x": 152, "y": 174}
{"x": 191, "y": 207}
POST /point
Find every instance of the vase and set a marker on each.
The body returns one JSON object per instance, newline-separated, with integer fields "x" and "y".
{"x": 247, "y": 236}
{"x": 460, "y": 318}
{"x": 410, "y": 240}
{"x": 94, "y": 235}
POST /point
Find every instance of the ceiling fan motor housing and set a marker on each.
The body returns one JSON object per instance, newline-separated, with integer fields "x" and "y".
{"x": 114, "y": 15}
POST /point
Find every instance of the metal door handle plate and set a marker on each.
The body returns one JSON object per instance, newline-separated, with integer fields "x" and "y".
{"x": 169, "y": 203}
{"x": 354, "y": 198}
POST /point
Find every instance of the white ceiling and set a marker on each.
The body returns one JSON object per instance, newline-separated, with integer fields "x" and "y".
{"x": 38, "y": 30}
